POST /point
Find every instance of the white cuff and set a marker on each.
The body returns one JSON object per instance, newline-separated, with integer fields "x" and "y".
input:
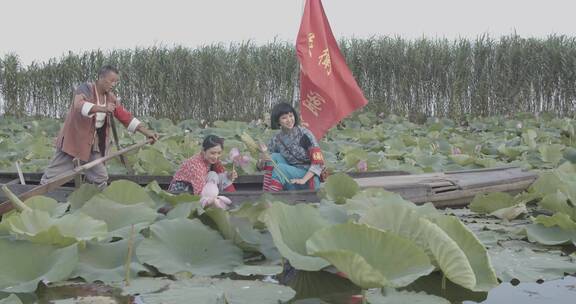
{"x": 86, "y": 107}
{"x": 133, "y": 125}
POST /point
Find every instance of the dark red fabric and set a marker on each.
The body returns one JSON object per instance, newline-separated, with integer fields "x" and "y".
{"x": 328, "y": 91}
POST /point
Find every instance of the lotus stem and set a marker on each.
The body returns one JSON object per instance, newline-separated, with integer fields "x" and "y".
{"x": 16, "y": 202}
{"x": 129, "y": 257}
{"x": 443, "y": 281}
{"x": 280, "y": 172}
{"x": 364, "y": 300}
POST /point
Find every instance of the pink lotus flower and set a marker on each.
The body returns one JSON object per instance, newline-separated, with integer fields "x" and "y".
{"x": 209, "y": 197}
{"x": 456, "y": 151}
{"x": 362, "y": 166}
{"x": 239, "y": 159}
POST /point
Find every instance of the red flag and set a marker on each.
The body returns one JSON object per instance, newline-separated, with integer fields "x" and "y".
{"x": 328, "y": 91}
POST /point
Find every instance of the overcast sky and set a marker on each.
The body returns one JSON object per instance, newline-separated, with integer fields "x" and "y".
{"x": 39, "y": 29}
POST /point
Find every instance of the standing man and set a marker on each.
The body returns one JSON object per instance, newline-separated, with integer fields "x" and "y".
{"x": 86, "y": 132}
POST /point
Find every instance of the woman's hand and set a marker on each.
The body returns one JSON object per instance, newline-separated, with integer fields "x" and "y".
{"x": 299, "y": 181}
{"x": 265, "y": 157}
{"x": 233, "y": 175}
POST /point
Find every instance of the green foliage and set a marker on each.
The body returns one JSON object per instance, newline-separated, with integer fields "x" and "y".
{"x": 419, "y": 78}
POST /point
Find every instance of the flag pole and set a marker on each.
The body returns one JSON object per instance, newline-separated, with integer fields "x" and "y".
{"x": 297, "y": 83}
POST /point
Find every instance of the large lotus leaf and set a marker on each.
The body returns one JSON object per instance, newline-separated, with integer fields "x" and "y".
{"x": 319, "y": 284}
{"x": 551, "y": 153}
{"x": 370, "y": 257}
{"x": 435, "y": 284}
{"x": 397, "y": 218}
{"x": 391, "y": 296}
{"x": 333, "y": 213}
{"x": 570, "y": 155}
{"x": 197, "y": 294}
{"x": 183, "y": 210}
{"x": 263, "y": 270}
{"x": 248, "y": 292}
{"x": 38, "y": 227}
{"x": 461, "y": 159}
{"x": 153, "y": 162}
{"x": 237, "y": 229}
{"x": 559, "y": 202}
{"x": 473, "y": 248}
{"x": 106, "y": 262}
{"x": 162, "y": 197}
{"x": 47, "y": 204}
{"x": 25, "y": 264}
{"x": 487, "y": 162}
{"x": 552, "y": 235}
{"x": 566, "y": 172}
{"x": 11, "y": 299}
{"x": 529, "y": 138}
{"x": 207, "y": 290}
{"x": 187, "y": 245}
{"x": 291, "y": 227}
{"x": 340, "y": 187}
{"x": 561, "y": 220}
{"x": 127, "y": 193}
{"x": 429, "y": 162}
{"x": 492, "y": 201}
{"x": 547, "y": 183}
{"x": 119, "y": 217}
{"x": 252, "y": 211}
{"x": 81, "y": 195}
{"x": 353, "y": 156}
{"x": 143, "y": 285}
{"x": 527, "y": 265}
{"x": 367, "y": 199}
{"x": 404, "y": 221}
{"x": 511, "y": 152}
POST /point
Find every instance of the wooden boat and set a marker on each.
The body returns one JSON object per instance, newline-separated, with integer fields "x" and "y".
{"x": 443, "y": 189}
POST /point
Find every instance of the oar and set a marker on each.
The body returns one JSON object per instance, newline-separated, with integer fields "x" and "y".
{"x": 63, "y": 178}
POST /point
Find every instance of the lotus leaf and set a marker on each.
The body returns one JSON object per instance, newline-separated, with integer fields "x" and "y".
{"x": 182, "y": 210}
{"x": 291, "y": 227}
{"x": 47, "y": 204}
{"x": 551, "y": 153}
{"x": 153, "y": 162}
{"x": 143, "y": 285}
{"x": 490, "y": 202}
{"x": 473, "y": 248}
{"x": 403, "y": 220}
{"x": 238, "y": 230}
{"x": 26, "y": 264}
{"x": 38, "y": 227}
{"x": 263, "y": 270}
{"x": 340, "y": 187}
{"x": 11, "y": 299}
{"x": 364, "y": 254}
{"x": 206, "y": 290}
{"x": 119, "y": 217}
{"x": 127, "y": 193}
{"x": 392, "y": 296}
{"x": 527, "y": 265}
{"x": 551, "y": 235}
{"x": 106, "y": 262}
{"x": 81, "y": 195}
{"x": 559, "y": 202}
{"x": 183, "y": 245}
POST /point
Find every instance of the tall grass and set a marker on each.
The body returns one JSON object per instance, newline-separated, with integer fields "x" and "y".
{"x": 432, "y": 77}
